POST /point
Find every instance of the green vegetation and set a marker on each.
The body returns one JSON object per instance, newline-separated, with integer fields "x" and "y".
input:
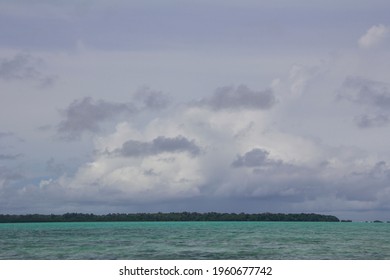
{"x": 173, "y": 216}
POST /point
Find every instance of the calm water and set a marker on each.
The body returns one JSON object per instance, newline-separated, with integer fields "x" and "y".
{"x": 195, "y": 240}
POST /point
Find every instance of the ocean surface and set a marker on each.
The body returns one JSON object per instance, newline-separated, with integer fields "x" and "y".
{"x": 195, "y": 240}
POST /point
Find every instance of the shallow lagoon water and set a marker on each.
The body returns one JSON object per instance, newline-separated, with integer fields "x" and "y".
{"x": 195, "y": 240}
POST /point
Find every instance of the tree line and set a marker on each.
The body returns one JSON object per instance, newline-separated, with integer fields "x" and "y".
{"x": 172, "y": 216}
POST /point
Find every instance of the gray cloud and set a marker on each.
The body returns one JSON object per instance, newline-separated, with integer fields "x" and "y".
{"x": 381, "y": 169}
{"x": 45, "y": 127}
{"x": 21, "y": 66}
{"x": 254, "y": 158}
{"x": 133, "y": 148}
{"x": 366, "y": 92}
{"x": 159, "y": 145}
{"x": 47, "y": 81}
{"x": 9, "y": 157}
{"x": 5, "y": 134}
{"x": 55, "y": 168}
{"x": 86, "y": 115}
{"x": 368, "y": 121}
{"x": 369, "y": 185}
{"x": 240, "y": 97}
{"x": 7, "y": 175}
{"x": 151, "y": 99}
{"x": 184, "y": 49}
{"x": 24, "y": 67}
{"x": 371, "y": 94}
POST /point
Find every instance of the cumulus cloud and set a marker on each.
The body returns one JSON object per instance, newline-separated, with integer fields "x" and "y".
{"x": 218, "y": 152}
{"x": 222, "y": 162}
{"x": 86, "y": 115}
{"x": 161, "y": 144}
{"x": 241, "y": 97}
{"x": 374, "y": 36}
{"x": 24, "y": 67}
{"x": 200, "y": 157}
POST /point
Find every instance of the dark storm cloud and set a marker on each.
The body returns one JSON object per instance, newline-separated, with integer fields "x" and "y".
{"x": 366, "y": 121}
{"x": 366, "y": 92}
{"x": 24, "y": 67}
{"x": 161, "y": 144}
{"x": 254, "y": 158}
{"x": 151, "y": 99}
{"x": 86, "y": 115}
{"x": 240, "y": 97}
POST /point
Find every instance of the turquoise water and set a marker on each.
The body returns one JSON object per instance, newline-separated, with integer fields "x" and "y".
{"x": 195, "y": 240}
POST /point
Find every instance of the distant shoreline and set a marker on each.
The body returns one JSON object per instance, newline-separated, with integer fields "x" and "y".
{"x": 169, "y": 217}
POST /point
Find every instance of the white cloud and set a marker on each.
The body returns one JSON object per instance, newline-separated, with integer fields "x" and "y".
{"x": 241, "y": 156}
{"x": 374, "y": 36}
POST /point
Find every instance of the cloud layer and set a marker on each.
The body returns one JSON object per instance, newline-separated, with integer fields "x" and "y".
{"x": 225, "y": 106}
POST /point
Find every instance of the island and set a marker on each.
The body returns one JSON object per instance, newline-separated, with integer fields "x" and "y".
{"x": 168, "y": 217}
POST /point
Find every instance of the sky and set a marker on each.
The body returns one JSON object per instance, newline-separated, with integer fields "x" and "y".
{"x": 250, "y": 106}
